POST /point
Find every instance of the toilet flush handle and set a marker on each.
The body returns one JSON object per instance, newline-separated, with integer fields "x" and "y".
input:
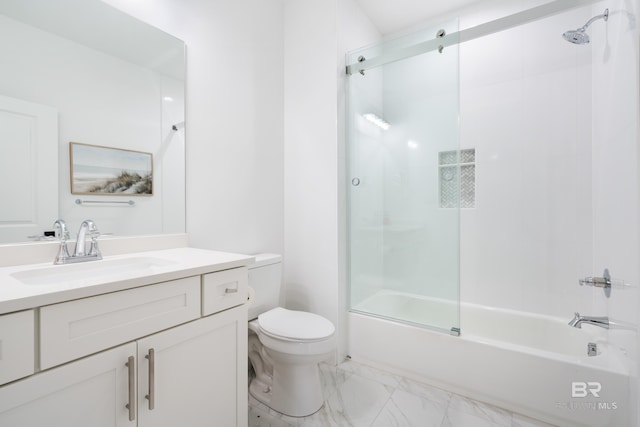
{"x": 231, "y": 291}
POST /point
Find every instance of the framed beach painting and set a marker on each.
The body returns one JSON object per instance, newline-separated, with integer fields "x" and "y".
{"x": 98, "y": 170}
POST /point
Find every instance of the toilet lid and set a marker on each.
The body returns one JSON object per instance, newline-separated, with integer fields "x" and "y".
{"x": 295, "y": 325}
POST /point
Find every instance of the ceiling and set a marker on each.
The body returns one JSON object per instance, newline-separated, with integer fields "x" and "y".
{"x": 392, "y": 16}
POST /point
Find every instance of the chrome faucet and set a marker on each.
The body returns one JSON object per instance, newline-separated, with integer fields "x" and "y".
{"x": 578, "y": 320}
{"x": 79, "y": 254}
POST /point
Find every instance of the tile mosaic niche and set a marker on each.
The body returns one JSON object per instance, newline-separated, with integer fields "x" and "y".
{"x": 457, "y": 175}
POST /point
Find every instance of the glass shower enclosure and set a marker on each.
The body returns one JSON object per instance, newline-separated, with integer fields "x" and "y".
{"x": 407, "y": 180}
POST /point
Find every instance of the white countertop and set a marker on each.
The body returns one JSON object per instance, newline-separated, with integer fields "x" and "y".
{"x": 28, "y": 286}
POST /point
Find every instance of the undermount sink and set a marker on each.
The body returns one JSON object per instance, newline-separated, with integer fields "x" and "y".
{"x": 95, "y": 270}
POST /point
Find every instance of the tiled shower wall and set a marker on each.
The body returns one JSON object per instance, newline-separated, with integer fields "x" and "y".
{"x": 525, "y": 103}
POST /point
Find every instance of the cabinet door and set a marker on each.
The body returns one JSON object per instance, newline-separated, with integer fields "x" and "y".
{"x": 90, "y": 392}
{"x": 17, "y": 345}
{"x": 196, "y": 374}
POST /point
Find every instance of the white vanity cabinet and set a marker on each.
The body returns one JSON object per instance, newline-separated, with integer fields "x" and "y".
{"x": 106, "y": 362}
{"x": 89, "y": 392}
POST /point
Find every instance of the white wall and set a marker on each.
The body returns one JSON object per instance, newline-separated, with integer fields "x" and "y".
{"x": 317, "y": 35}
{"x": 234, "y": 120}
{"x": 311, "y": 153}
{"x": 525, "y": 97}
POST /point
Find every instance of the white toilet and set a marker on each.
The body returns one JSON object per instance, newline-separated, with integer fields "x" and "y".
{"x": 285, "y": 346}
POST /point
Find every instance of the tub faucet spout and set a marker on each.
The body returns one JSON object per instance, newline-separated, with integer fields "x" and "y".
{"x": 578, "y": 320}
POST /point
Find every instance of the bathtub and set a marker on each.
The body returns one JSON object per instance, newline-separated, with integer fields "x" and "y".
{"x": 523, "y": 362}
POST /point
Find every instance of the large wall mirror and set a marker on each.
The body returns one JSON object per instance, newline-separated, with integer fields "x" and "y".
{"x": 82, "y": 71}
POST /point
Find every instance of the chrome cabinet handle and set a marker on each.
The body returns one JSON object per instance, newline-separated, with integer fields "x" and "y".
{"x": 152, "y": 378}
{"x": 131, "y": 406}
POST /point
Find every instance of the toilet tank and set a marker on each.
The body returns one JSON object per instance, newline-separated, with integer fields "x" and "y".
{"x": 265, "y": 277}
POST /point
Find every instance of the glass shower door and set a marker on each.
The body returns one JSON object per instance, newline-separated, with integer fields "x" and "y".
{"x": 404, "y": 193}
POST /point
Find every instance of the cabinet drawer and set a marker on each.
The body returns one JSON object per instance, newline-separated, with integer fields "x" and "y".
{"x": 76, "y": 328}
{"x": 17, "y": 342}
{"x": 224, "y": 289}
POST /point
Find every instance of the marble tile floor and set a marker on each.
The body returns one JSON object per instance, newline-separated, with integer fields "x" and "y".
{"x": 360, "y": 396}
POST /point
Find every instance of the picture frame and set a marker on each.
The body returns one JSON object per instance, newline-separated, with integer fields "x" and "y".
{"x": 100, "y": 170}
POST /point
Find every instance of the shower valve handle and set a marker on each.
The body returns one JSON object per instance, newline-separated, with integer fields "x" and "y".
{"x": 603, "y": 282}
{"x": 598, "y": 282}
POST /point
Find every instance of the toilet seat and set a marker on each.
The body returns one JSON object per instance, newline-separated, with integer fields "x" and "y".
{"x": 298, "y": 326}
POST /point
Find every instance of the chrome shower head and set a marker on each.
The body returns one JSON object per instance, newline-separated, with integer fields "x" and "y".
{"x": 580, "y": 35}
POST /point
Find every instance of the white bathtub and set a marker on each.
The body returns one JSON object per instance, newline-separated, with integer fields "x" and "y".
{"x": 519, "y": 361}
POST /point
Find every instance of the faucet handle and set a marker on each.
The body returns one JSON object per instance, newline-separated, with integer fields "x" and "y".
{"x": 598, "y": 282}
{"x": 60, "y": 229}
{"x": 91, "y": 226}
{"x": 94, "y": 250}
{"x": 61, "y": 232}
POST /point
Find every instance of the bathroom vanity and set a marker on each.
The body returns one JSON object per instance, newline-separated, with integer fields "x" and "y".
{"x": 156, "y": 338}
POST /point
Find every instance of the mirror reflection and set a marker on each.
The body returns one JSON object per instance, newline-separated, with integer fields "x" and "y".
{"x": 81, "y": 71}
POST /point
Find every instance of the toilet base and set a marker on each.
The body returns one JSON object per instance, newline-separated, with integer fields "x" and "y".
{"x": 294, "y": 390}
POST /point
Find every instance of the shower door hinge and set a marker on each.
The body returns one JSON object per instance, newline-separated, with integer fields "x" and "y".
{"x": 455, "y": 332}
